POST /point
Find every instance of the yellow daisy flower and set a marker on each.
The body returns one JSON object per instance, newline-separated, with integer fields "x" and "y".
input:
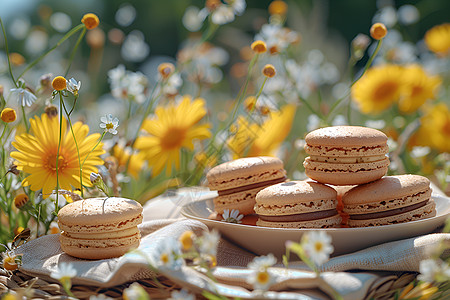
{"x": 418, "y": 88}
{"x": 435, "y": 129}
{"x": 136, "y": 160}
{"x": 36, "y": 155}
{"x": 378, "y": 89}
{"x": 174, "y": 127}
{"x": 437, "y": 39}
{"x": 256, "y": 140}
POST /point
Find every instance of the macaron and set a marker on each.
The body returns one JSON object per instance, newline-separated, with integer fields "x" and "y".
{"x": 346, "y": 155}
{"x": 390, "y": 200}
{"x": 100, "y": 228}
{"x": 238, "y": 181}
{"x": 297, "y": 204}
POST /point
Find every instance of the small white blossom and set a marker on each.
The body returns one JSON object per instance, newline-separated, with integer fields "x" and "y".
{"x": 25, "y": 97}
{"x": 64, "y": 271}
{"x": 193, "y": 19}
{"x": 73, "y": 86}
{"x": 209, "y": 242}
{"x": 181, "y": 295}
{"x": 434, "y": 270}
{"x": 222, "y": 15}
{"x": 408, "y": 14}
{"x": 261, "y": 278}
{"x": 317, "y": 245}
{"x": 168, "y": 255}
{"x": 232, "y": 217}
{"x": 262, "y": 262}
{"x": 172, "y": 85}
{"x": 135, "y": 291}
{"x": 100, "y": 297}
{"x": 109, "y": 124}
{"x": 238, "y": 6}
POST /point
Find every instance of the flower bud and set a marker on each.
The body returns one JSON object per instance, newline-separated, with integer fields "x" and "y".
{"x": 378, "y": 31}
{"x": 269, "y": 71}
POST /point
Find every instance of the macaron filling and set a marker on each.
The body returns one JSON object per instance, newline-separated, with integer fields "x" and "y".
{"x": 251, "y": 186}
{"x": 388, "y": 213}
{"x": 301, "y": 217}
{"x": 347, "y": 160}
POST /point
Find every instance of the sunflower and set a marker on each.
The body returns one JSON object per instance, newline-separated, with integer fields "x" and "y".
{"x": 265, "y": 139}
{"x": 434, "y": 131}
{"x": 378, "y": 89}
{"x": 418, "y": 87}
{"x": 173, "y": 128}
{"x": 437, "y": 39}
{"x": 36, "y": 155}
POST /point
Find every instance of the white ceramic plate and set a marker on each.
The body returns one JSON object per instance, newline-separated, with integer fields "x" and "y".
{"x": 265, "y": 240}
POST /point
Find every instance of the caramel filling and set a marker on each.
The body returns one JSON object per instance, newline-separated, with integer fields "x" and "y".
{"x": 252, "y": 186}
{"x": 389, "y": 213}
{"x": 301, "y": 217}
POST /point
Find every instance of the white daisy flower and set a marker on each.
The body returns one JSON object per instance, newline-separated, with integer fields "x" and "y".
{"x": 181, "y": 295}
{"x": 434, "y": 270}
{"x": 233, "y": 216}
{"x": 168, "y": 255}
{"x": 135, "y": 291}
{"x": 25, "y": 97}
{"x": 73, "y": 86}
{"x": 261, "y": 277}
{"x": 109, "y": 124}
{"x": 317, "y": 245}
{"x": 193, "y": 19}
{"x": 100, "y": 297}
{"x": 209, "y": 242}
{"x": 262, "y": 262}
{"x": 64, "y": 271}
{"x": 238, "y": 6}
{"x": 222, "y": 15}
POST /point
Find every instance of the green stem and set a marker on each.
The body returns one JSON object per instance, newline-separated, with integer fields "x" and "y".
{"x": 59, "y": 147}
{"x": 369, "y": 63}
{"x": 7, "y": 54}
{"x": 99, "y": 140}
{"x": 65, "y": 37}
{"x": 72, "y": 55}
{"x": 3, "y": 133}
{"x": 78, "y": 150}
{"x": 25, "y": 119}
{"x": 211, "y": 30}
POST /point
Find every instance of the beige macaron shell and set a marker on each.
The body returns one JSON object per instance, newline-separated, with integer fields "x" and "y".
{"x": 424, "y": 212}
{"x": 245, "y": 171}
{"x": 329, "y": 222}
{"x": 340, "y": 177}
{"x": 98, "y": 249}
{"x": 346, "y": 136}
{"x": 295, "y": 197}
{"x": 100, "y": 214}
{"x": 387, "y": 188}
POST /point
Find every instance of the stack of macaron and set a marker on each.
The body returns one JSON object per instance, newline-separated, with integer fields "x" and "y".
{"x": 100, "y": 228}
{"x": 347, "y": 186}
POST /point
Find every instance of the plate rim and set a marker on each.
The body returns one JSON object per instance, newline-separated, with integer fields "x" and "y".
{"x": 368, "y": 228}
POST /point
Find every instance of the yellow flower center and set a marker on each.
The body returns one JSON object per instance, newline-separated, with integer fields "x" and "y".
{"x": 262, "y": 277}
{"x": 166, "y": 69}
{"x": 269, "y": 70}
{"x": 318, "y": 246}
{"x": 9, "y": 263}
{"x": 386, "y": 90}
{"x": 109, "y": 126}
{"x": 164, "y": 258}
{"x": 173, "y": 138}
{"x": 59, "y": 83}
{"x": 186, "y": 240}
{"x": 90, "y": 20}
{"x": 8, "y": 115}
{"x": 51, "y": 162}
{"x": 378, "y": 31}
{"x": 416, "y": 91}
{"x": 259, "y": 47}
{"x": 278, "y": 7}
